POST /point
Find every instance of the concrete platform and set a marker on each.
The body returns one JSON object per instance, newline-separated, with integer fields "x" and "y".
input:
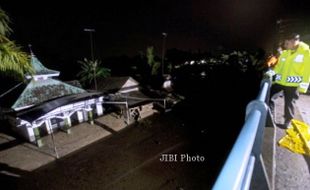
{"x": 304, "y": 108}
{"x": 28, "y": 157}
{"x": 292, "y": 170}
{"x": 111, "y": 122}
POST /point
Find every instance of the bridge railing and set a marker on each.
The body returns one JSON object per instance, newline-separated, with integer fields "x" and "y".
{"x": 245, "y": 156}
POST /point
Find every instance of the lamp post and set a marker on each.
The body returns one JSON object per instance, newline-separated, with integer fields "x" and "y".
{"x": 93, "y": 62}
{"x": 91, "y": 30}
{"x": 163, "y": 53}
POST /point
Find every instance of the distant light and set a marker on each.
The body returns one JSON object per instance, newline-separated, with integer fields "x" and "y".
{"x": 192, "y": 62}
{"x": 164, "y": 34}
{"x": 89, "y": 30}
{"x": 168, "y": 85}
{"x": 203, "y": 74}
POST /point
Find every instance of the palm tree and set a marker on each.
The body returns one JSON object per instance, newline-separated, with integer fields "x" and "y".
{"x": 154, "y": 65}
{"x": 91, "y": 70}
{"x": 13, "y": 61}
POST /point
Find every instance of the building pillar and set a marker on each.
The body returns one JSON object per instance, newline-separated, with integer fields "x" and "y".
{"x": 99, "y": 109}
{"x": 80, "y": 116}
{"x": 30, "y": 133}
{"x": 37, "y": 136}
{"x": 48, "y": 126}
{"x": 90, "y": 115}
{"x": 69, "y": 121}
{"x": 68, "y": 124}
{"x": 85, "y": 115}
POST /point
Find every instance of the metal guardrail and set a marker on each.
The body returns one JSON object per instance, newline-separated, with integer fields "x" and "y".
{"x": 245, "y": 156}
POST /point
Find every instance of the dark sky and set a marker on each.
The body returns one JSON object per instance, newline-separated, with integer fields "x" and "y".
{"x": 127, "y": 27}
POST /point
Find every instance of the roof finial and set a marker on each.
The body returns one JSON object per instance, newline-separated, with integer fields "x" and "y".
{"x": 31, "y": 52}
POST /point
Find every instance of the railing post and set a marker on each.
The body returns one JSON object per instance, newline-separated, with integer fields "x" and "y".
{"x": 259, "y": 104}
{"x": 248, "y": 174}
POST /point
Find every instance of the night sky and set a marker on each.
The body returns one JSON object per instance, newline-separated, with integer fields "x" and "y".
{"x": 55, "y": 29}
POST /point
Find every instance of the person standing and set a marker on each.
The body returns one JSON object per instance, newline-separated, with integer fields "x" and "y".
{"x": 291, "y": 75}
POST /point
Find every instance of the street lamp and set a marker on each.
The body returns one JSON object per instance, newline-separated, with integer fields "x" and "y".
{"x": 91, "y": 30}
{"x": 93, "y": 63}
{"x": 163, "y": 53}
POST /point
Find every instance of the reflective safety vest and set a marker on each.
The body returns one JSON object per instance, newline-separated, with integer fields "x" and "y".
{"x": 293, "y": 68}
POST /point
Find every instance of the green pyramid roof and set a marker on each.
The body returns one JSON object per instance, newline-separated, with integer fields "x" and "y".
{"x": 39, "y": 68}
{"x": 42, "y": 90}
{"x": 42, "y": 87}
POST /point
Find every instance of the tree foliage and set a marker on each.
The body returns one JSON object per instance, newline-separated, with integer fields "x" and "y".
{"x": 4, "y": 23}
{"x": 154, "y": 65}
{"x": 13, "y": 61}
{"x": 91, "y": 70}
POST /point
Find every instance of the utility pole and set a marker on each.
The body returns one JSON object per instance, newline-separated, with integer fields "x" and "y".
{"x": 91, "y": 31}
{"x": 93, "y": 62}
{"x": 163, "y": 53}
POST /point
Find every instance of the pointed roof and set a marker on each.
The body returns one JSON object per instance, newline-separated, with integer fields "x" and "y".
{"x": 39, "y": 89}
{"x": 39, "y": 69}
{"x": 116, "y": 84}
{"x": 42, "y": 90}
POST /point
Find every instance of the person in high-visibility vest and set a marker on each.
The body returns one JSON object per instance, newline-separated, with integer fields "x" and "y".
{"x": 291, "y": 75}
